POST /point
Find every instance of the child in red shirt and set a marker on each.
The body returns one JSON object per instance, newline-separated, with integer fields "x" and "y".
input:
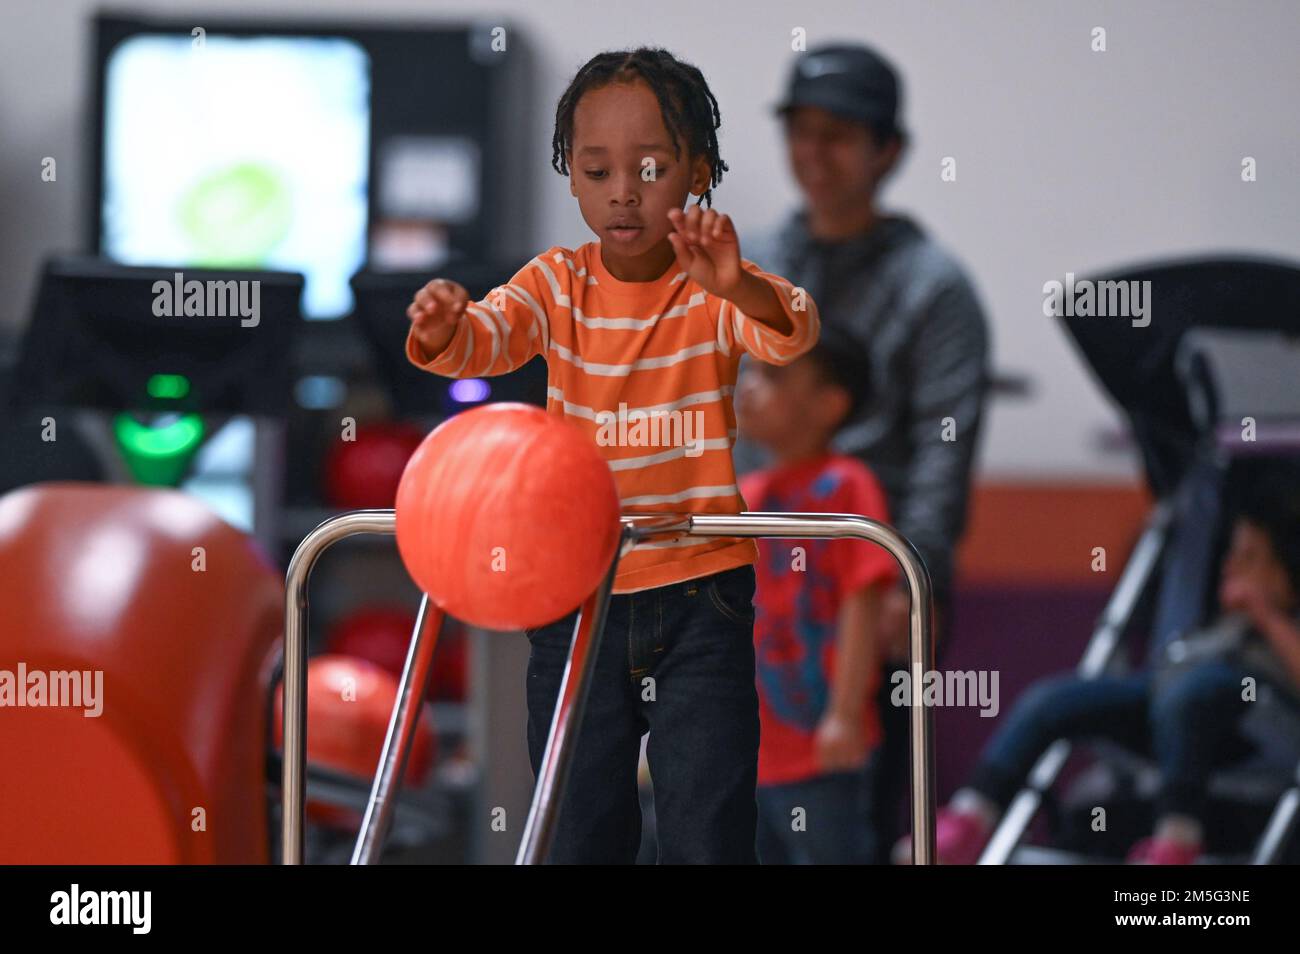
{"x": 815, "y": 610}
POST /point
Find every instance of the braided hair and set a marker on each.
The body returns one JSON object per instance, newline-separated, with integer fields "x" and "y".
{"x": 686, "y": 103}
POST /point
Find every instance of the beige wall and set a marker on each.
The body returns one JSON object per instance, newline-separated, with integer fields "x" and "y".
{"x": 1068, "y": 160}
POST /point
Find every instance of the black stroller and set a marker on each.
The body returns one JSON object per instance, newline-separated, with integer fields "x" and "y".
{"x": 1211, "y": 390}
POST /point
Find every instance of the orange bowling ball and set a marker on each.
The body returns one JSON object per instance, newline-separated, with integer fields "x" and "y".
{"x": 507, "y": 517}
{"x": 349, "y": 703}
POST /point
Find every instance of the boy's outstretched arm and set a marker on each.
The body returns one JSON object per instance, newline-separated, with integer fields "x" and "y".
{"x": 456, "y": 337}
{"x": 759, "y": 300}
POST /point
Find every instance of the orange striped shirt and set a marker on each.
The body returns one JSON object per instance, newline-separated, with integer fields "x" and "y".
{"x": 647, "y": 369}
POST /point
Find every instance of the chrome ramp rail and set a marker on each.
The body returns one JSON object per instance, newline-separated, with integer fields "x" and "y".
{"x": 547, "y": 795}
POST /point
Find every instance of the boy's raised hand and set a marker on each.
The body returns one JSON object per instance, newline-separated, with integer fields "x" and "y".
{"x": 434, "y": 312}
{"x": 708, "y": 249}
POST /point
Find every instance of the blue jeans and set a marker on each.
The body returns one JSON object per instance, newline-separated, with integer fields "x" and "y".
{"x": 676, "y": 661}
{"x": 1189, "y": 726}
{"x": 833, "y": 829}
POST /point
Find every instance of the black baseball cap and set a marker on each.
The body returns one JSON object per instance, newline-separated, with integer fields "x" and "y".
{"x": 850, "y": 80}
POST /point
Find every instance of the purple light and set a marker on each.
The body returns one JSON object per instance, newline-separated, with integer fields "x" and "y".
{"x": 469, "y": 390}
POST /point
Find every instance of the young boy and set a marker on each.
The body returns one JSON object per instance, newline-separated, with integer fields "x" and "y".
{"x": 816, "y": 611}
{"x": 1185, "y": 709}
{"x": 647, "y": 325}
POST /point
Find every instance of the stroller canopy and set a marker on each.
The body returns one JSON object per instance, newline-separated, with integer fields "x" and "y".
{"x": 1138, "y": 364}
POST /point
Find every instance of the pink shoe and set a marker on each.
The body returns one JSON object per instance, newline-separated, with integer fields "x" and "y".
{"x": 1163, "y": 851}
{"x": 959, "y": 838}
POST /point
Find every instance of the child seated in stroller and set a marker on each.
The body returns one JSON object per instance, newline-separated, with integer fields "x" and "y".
{"x": 1184, "y": 709}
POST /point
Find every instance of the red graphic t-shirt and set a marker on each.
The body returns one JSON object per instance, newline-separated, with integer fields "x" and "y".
{"x": 797, "y": 603}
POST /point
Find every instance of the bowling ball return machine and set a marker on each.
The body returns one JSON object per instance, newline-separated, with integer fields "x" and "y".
{"x": 146, "y": 383}
{"x": 635, "y": 529}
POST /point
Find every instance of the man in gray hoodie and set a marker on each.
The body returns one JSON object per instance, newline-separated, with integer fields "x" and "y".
{"x": 916, "y": 318}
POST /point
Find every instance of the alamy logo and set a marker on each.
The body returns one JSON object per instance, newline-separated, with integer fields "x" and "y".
{"x": 1085, "y": 298}
{"x": 103, "y": 907}
{"x": 653, "y": 428}
{"x": 58, "y": 688}
{"x": 210, "y": 299}
{"x": 955, "y": 687}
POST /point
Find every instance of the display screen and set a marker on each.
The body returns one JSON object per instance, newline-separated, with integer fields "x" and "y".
{"x": 233, "y": 152}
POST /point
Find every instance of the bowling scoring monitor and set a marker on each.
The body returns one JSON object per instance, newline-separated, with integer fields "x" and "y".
{"x": 246, "y": 152}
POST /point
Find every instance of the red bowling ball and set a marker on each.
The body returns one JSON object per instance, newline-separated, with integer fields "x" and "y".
{"x": 363, "y": 474}
{"x": 382, "y": 634}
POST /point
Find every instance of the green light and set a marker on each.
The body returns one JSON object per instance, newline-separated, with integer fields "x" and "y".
{"x": 158, "y": 455}
{"x": 172, "y": 386}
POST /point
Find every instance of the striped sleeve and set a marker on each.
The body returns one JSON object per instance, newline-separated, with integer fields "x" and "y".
{"x": 501, "y": 332}
{"x": 763, "y": 342}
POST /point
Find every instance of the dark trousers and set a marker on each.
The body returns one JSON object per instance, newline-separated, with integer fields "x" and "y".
{"x": 676, "y": 661}
{"x": 819, "y": 821}
{"x": 1190, "y": 726}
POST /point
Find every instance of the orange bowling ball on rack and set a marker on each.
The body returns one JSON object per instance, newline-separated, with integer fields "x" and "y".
{"x": 349, "y": 703}
{"x": 507, "y": 517}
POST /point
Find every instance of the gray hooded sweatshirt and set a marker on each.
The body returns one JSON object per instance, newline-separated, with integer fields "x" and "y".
{"x": 924, "y": 341}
